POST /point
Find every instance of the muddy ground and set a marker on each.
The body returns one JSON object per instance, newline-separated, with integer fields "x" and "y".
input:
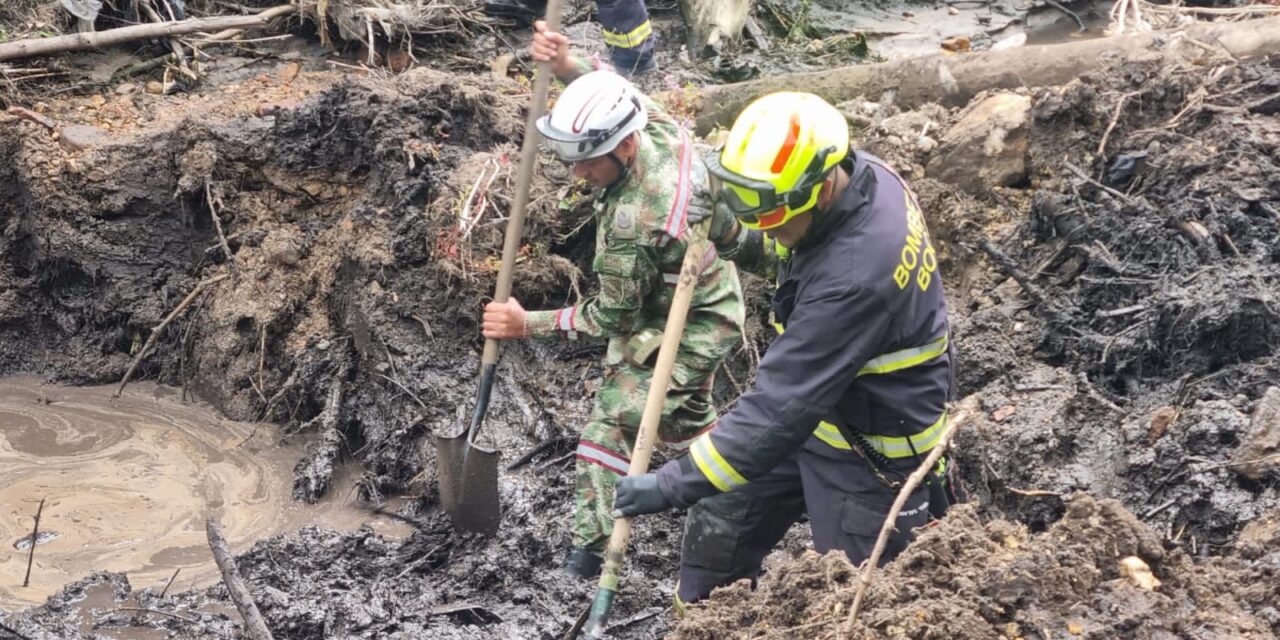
{"x": 1136, "y": 361}
{"x": 1133, "y": 367}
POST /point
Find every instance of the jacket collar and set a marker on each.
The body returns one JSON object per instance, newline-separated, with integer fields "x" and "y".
{"x": 858, "y": 192}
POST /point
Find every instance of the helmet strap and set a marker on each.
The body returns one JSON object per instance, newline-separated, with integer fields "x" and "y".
{"x": 624, "y": 168}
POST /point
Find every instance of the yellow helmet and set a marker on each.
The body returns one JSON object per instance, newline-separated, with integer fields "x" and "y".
{"x": 777, "y": 154}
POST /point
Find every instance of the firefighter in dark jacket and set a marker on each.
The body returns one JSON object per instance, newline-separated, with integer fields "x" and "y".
{"x": 852, "y": 394}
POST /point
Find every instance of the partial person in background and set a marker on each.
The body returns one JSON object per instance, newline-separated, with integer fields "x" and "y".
{"x": 628, "y": 33}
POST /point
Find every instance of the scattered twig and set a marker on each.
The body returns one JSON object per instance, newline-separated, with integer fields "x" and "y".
{"x": 155, "y": 331}
{"x": 557, "y": 461}
{"x": 789, "y": 632}
{"x": 35, "y": 539}
{"x": 961, "y": 415}
{"x": 170, "y": 582}
{"x": 28, "y": 114}
{"x": 1122, "y": 311}
{"x": 1238, "y": 463}
{"x": 217, "y": 221}
{"x": 174, "y": 45}
{"x": 426, "y": 327}
{"x": 639, "y": 617}
{"x": 404, "y": 389}
{"x": 425, "y": 557}
{"x": 1115, "y": 117}
{"x": 1035, "y": 493}
{"x": 1084, "y": 176}
{"x": 1096, "y": 395}
{"x": 1226, "y": 239}
{"x": 1010, "y": 268}
{"x": 535, "y": 452}
{"x": 1154, "y": 510}
{"x": 157, "y": 611}
{"x": 254, "y": 625}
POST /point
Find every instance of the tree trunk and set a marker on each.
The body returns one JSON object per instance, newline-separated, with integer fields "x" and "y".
{"x": 80, "y": 41}
{"x": 954, "y": 79}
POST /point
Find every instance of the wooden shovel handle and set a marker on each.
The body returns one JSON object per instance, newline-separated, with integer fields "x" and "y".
{"x": 615, "y": 553}
{"x": 528, "y": 159}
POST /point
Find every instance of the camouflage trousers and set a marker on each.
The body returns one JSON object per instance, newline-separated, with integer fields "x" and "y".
{"x": 604, "y": 450}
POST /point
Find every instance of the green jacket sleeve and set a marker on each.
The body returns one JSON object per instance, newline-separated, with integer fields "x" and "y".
{"x": 627, "y": 274}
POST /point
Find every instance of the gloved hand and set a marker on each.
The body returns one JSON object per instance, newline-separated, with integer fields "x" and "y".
{"x": 724, "y": 226}
{"x": 638, "y": 495}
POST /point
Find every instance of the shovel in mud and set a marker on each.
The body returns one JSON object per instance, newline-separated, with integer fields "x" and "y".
{"x": 468, "y": 472}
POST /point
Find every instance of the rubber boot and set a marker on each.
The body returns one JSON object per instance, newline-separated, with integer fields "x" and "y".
{"x": 630, "y": 65}
{"x": 583, "y": 563}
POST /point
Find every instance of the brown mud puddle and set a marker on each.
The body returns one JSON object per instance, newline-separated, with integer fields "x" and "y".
{"x": 128, "y": 483}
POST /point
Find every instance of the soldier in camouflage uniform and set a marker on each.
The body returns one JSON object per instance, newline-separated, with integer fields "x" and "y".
{"x": 623, "y": 143}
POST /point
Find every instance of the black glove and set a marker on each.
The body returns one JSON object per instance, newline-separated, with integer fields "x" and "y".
{"x": 724, "y": 226}
{"x": 638, "y": 495}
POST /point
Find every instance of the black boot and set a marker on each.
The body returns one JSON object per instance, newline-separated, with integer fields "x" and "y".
{"x": 523, "y": 12}
{"x": 583, "y": 563}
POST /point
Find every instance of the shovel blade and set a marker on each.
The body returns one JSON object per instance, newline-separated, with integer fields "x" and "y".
{"x": 468, "y": 484}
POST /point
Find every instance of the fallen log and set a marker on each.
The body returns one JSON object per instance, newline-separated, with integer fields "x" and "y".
{"x": 953, "y": 80}
{"x": 33, "y": 47}
{"x": 255, "y": 627}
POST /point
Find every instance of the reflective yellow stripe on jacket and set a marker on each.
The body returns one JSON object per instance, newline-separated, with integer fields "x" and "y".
{"x": 718, "y": 471}
{"x": 724, "y": 477}
{"x": 631, "y": 39}
{"x": 889, "y": 446}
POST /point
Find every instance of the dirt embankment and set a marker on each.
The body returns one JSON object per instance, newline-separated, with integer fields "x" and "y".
{"x": 361, "y": 224}
{"x": 359, "y": 221}
{"x": 1136, "y": 360}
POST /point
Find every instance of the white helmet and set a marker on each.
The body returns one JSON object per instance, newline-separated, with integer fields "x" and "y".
{"x": 595, "y": 113}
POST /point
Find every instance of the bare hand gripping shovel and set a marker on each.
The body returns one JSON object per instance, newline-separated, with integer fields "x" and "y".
{"x": 468, "y": 472}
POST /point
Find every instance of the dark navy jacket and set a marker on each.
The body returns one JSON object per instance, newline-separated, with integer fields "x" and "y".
{"x": 859, "y": 297}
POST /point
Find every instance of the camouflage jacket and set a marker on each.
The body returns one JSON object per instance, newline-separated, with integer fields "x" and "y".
{"x": 639, "y": 250}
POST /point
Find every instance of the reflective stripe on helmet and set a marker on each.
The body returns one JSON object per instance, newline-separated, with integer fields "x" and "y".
{"x": 594, "y": 114}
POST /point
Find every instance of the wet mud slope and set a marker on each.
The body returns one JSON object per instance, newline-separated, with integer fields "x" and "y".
{"x": 1116, "y": 309}
{"x": 359, "y": 223}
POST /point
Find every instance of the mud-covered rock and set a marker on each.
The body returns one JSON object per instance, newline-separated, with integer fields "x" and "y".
{"x": 1259, "y": 453}
{"x": 987, "y": 146}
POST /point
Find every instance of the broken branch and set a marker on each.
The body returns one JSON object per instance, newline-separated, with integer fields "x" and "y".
{"x": 33, "y": 47}
{"x": 1084, "y": 176}
{"x": 35, "y": 538}
{"x": 966, "y": 408}
{"x": 155, "y": 331}
{"x": 254, "y": 625}
{"x": 28, "y": 114}
{"x": 217, "y": 220}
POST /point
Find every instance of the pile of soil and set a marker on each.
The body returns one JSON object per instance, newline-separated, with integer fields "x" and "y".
{"x": 1118, "y": 318}
{"x": 970, "y": 578}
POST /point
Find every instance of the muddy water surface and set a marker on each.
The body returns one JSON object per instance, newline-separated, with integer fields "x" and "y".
{"x": 128, "y": 483}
